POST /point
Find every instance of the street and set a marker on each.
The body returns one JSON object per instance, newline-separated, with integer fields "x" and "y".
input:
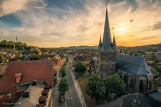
{"x": 71, "y": 97}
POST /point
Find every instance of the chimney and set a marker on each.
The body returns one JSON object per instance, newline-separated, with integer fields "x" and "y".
{"x": 18, "y": 77}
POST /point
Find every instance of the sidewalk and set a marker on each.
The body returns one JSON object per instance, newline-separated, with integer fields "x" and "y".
{"x": 79, "y": 91}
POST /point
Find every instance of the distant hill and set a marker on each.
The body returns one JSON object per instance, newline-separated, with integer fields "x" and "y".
{"x": 151, "y": 47}
{"x": 79, "y": 47}
{"x": 144, "y": 47}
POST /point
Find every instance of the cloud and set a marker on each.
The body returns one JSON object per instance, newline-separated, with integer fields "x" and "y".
{"x": 49, "y": 23}
{"x": 157, "y": 26}
{"x": 11, "y": 6}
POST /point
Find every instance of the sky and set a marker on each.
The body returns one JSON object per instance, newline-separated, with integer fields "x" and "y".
{"x": 62, "y": 23}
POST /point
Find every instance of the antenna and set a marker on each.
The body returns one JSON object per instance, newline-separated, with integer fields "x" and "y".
{"x": 16, "y": 38}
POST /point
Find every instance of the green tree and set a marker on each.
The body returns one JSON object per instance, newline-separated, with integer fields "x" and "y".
{"x": 159, "y": 69}
{"x": 34, "y": 57}
{"x": 63, "y": 86}
{"x": 67, "y": 59}
{"x": 114, "y": 84}
{"x": 10, "y": 44}
{"x": 80, "y": 67}
{"x": 62, "y": 71}
{"x": 95, "y": 88}
{"x": 1, "y": 59}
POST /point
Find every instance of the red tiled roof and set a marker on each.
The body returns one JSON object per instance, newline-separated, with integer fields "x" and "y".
{"x": 31, "y": 70}
{"x": 56, "y": 58}
{"x": 75, "y": 54}
{"x": 40, "y": 105}
{"x": 88, "y": 54}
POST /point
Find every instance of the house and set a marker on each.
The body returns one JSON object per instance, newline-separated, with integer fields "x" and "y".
{"x": 26, "y": 71}
{"x": 36, "y": 95}
{"x": 3, "y": 68}
{"x": 158, "y": 57}
{"x": 10, "y": 55}
{"x": 79, "y": 58}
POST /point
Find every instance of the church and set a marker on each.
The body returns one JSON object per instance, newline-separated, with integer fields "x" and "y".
{"x": 132, "y": 69}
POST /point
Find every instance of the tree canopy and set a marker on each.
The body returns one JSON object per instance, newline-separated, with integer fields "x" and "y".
{"x": 114, "y": 84}
{"x": 95, "y": 88}
{"x": 10, "y": 44}
{"x": 63, "y": 86}
{"x": 1, "y": 59}
{"x": 80, "y": 67}
{"x": 34, "y": 57}
{"x": 159, "y": 69}
{"x": 100, "y": 89}
{"x": 62, "y": 71}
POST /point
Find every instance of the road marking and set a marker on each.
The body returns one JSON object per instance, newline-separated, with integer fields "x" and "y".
{"x": 69, "y": 98}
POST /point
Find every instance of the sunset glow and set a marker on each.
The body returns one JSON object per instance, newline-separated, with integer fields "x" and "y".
{"x": 121, "y": 29}
{"x": 56, "y": 23}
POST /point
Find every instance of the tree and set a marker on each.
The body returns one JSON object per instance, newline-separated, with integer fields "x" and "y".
{"x": 16, "y": 58}
{"x": 10, "y": 44}
{"x": 114, "y": 84}
{"x": 1, "y": 59}
{"x": 80, "y": 67}
{"x": 63, "y": 86}
{"x": 62, "y": 71}
{"x": 159, "y": 69}
{"x": 90, "y": 71}
{"x": 95, "y": 88}
{"x": 34, "y": 57}
{"x": 67, "y": 59}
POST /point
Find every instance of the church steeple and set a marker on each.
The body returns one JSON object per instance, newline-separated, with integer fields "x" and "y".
{"x": 106, "y": 45}
{"x": 107, "y": 52}
{"x": 100, "y": 43}
{"x": 114, "y": 41}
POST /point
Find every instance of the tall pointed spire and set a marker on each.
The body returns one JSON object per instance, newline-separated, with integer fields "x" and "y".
{"x": 114, "y": 41}
{"x": 106, "y": 45}
{"x": 100, "y": 43}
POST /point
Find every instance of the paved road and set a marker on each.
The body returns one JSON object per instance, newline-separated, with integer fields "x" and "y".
{"x": 71, "y": 97}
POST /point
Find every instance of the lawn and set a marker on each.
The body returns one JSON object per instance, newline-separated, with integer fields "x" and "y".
{"x": 82, "y": 81}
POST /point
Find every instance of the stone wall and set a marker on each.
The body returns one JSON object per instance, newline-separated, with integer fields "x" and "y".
{"x": 107, "y": 62}
{"x": 136, "y": 83}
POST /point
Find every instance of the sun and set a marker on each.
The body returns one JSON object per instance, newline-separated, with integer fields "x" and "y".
{"x": 121, "y": 28}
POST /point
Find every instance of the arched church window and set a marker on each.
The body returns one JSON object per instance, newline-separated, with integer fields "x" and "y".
{"x": 141, "y": 86}
{"x": 150, "y": 85}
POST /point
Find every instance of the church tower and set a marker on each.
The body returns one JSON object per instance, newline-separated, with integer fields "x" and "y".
{"x": 107, "y": 50}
